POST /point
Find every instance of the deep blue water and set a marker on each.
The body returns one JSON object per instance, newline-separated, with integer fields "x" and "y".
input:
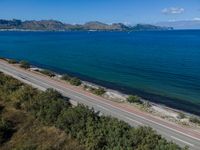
{"x": 163, "y": 66}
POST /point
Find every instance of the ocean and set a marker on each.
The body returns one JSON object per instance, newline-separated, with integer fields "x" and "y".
{"x": 161, "y": 66}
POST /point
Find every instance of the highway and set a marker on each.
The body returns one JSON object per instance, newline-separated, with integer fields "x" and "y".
{"x": 172, "y": 132}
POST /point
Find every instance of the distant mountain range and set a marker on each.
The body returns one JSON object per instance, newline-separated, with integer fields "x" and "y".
{"x": 53, "y": 25}
{"x": 188, "y": 24}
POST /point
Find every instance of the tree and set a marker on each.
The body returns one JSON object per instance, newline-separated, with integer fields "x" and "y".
{"x": 24, "y": 64}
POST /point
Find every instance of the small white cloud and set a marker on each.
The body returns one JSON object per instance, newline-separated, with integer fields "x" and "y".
{"x": 196, "y": 18}
{"x": 173, "y": 10}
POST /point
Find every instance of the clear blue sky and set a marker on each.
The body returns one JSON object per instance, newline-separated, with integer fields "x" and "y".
{"x": 109, "y": 11}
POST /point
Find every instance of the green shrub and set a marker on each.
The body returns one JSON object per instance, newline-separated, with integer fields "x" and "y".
{"x": 12, "y": 61}
{"x": 75, "y": 81}
{"x": 134, "y": 99}
{"x": 72, "y": 80}
{"x": 66, "y": 77}
{"x": 195, "y": 120}
{"x": 47, "y": 106}
{"x": 98, "y": 91}
{"x": 181, "y": 115}
{"x": 47, "y": 72}
{"x": 24, "y": 64}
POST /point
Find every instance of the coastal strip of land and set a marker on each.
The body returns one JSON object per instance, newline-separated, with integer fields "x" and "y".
{"x": 180, "y": 135}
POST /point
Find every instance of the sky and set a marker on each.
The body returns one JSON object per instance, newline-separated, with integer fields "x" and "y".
{"x": 108, "y": 11}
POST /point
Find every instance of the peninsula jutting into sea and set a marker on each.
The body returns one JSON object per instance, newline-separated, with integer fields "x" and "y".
{"x": 53, "y": 25}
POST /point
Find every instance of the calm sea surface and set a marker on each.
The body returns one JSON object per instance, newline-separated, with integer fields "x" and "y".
{"x": 163, "y": 66}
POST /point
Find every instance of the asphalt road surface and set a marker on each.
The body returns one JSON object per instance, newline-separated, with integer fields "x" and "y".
{"x": 172, "y": 132}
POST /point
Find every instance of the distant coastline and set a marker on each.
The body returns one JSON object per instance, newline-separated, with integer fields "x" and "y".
{"x": 54, "y": 25}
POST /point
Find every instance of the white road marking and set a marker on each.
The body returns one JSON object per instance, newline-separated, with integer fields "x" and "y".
{"x": 182, "y": 141}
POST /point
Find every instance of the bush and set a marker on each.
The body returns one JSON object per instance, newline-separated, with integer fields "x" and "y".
{"x": 75, "y": 81}
{"x": 98, "y": 91}
{"x": 66, "y": 77}
{"x": 12, "y": 61}
{"x": 82, "y": 123}
{"x": 134, "y": 99}
{"x": 24, "y": 64}
{"x": 47, "y": 72}
{"x": 195, "y": 120}
{"x": 181, "y": 115}
{"x": 72, "y": 80}
{"x": 47, "y": 106}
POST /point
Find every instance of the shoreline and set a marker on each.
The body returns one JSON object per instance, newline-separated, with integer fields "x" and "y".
{"x": 156, "y": 109}
{"x": 164, "y": 101}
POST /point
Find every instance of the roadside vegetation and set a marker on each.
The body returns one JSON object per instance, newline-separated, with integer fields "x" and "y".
{"x": 47, "y": 72}
{"x": 181, "y": 115}
{"x": 46, "y": 120}
{"x": 134, "y": 99}
{"x": 23, "y": 129}
{"x": 98, "y": 91}
{"x": 195, "y": 120}
{"x": 12, "y": 61}
{"x": 72, "y": 80}
{"x": 24, "y": 64}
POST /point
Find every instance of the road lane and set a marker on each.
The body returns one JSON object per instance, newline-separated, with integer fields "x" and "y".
{"x": 181, "y": 137}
